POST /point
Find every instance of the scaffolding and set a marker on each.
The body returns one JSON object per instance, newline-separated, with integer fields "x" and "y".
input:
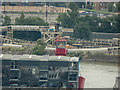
{"x": 47, "y": 36}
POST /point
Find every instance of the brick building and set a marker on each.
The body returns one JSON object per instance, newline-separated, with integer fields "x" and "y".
{"x": 100, "y": 6}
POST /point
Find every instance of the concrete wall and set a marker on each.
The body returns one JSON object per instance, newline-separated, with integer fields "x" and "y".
{"x": 97, "y": 35}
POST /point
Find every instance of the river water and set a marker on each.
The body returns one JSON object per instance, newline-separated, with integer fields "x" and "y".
{"x": 98, "y": 74}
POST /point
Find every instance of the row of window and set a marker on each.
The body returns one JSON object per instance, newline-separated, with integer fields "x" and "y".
{"x": 72, "y": 66}
{"x": 46, "y": 84}
{"x": 43, "y": 75}
{"x": 24, "y": 3}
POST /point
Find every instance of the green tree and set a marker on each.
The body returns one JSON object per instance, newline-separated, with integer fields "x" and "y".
{"x": 73, "y": 13}
{"x": 119, "y": 7}
{"x": 82, "y": 31}
{"x": 109, "y": 25}
{"x": 113, "y": 7}
{"x": 92, "y": 22}
{"x": 6, "y": 21}
{"x": 81, "y": 4}
{"x": 30, "y": 21}
{"x": 1, "y": 19}
{"x": 39, "y": 48}
{"x": 21, "y": 20}
{"x": 110, "y": 7}
{"x": 64, "y": 19}
{"x": 39, "y": 41}
{"x": 17, "y": 21}
{"x": 35, "y": 21}
{"x": 89, "y": 6}
{"x": 69, "y": 19}
{"x": 116, "y": 7}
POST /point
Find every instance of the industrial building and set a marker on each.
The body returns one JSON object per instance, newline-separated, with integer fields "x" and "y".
{"x": 39, "y": 71}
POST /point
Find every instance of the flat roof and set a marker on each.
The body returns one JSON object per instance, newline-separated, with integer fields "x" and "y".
{"x": 27, "y": 57}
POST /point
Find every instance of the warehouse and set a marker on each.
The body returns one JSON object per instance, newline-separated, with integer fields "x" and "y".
{"x": 39, "y": 71}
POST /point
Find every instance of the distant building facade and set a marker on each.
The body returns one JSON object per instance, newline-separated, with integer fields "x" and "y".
{"x": 40, "y": 9}
{"x": 39, "y": 71}
{"x": 26, "y": 6}
{"x": 100, "y": 6}
{"x": 23, "y": 3}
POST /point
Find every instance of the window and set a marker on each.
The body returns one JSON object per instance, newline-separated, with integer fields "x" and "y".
{"x": 43, "y": 75}
{"x": 14, "y": 65}
{"x": 73, "y": 85}
{"x": 73, "y": 66}
{"x": 101, "y": 4}
{"x": 38, "y": 3}
{"x": 13, "y": 3}
{"x": 14, "y": 77}
{"x": 43, "y": 84}
{"x": 44, "y": 68}
{"x": 14, "y": 74}
{"x": 73, "y": 76}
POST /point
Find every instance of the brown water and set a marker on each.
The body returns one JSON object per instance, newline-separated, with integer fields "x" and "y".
{"x": 99, "y": 75}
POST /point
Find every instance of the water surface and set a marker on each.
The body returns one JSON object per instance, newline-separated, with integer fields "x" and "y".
{"x": 99, "y": 75}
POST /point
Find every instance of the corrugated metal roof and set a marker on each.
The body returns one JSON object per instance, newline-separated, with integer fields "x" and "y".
{"x": 29, "y": 28}
{"x": 38, "y": 58}
{"x": 59, "y": 58}
{"x": 7, "y": 56}
{"x": 15, "y": 57}
{"x": 24, "y": 57}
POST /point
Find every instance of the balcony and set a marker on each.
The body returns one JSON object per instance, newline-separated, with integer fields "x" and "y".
{"x": 14, "y": 67}
{"x": 43, "y": 76}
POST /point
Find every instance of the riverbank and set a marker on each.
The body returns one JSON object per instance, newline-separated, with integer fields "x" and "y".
{"x": 103, "y": 58}
{"x": 90, "y": 55}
